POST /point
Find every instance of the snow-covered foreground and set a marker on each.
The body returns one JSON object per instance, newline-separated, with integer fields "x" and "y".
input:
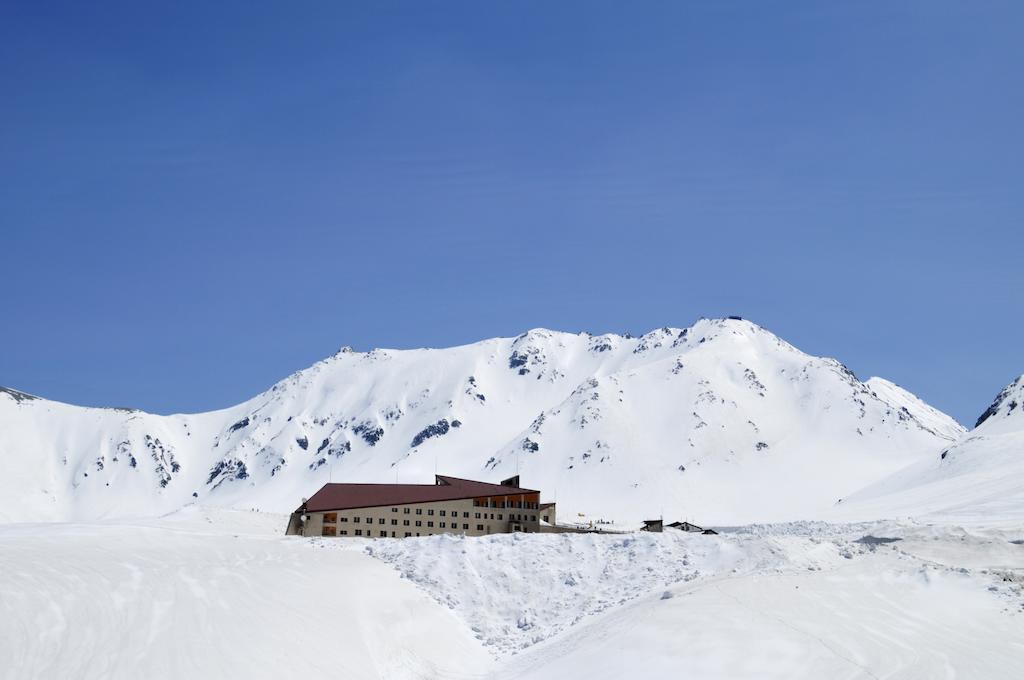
{"x": 205, "y": 593}
{"x": 228, "y": 599}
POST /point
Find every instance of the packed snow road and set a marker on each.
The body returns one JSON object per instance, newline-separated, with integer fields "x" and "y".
{"x": 221, "y": 594}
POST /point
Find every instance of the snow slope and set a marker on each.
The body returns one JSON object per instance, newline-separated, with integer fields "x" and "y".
{"x": 979, "y": 479}
{"x": 831, "y": 608}
{"x": 209, "y": 593}
{"x": 722, "y": 422}
{"x": 212, "y": 597}
{"x": 515, "y": 590}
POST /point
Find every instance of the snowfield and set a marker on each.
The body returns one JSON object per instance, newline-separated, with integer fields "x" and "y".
{"x": 213, "y": 593}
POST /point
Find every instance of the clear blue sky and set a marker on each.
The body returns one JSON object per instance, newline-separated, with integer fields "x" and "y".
{"x": 199, "y": 198}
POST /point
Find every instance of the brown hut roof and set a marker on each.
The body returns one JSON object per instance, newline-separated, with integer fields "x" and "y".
{"x": 349, "y": 496}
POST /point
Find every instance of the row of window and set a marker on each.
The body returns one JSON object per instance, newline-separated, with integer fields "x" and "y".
{"x": 332, "y": 517}
{"x": 528, "y": 505}
{"x": 330, "y": 531}
{"x": 430, "y": 511}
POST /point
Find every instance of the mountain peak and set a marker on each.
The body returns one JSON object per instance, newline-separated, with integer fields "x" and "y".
{"x": 1009, "y": 402}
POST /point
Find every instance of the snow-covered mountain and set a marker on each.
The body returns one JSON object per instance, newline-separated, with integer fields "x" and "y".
{"x": 721, "y": 422}
{"x": 979, "y": 478}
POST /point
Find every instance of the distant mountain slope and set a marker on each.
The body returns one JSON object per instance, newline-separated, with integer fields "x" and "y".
{"x": 930, "y": 417}
{"x": 978, "y": 479}
{"x": 722, "y": 421}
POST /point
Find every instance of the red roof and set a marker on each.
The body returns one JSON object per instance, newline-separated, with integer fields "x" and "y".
{"x": 349, "y": 496}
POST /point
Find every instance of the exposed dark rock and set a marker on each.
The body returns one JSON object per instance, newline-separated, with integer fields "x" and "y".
{"x": 231, "y": 469}
{"x": 239, "y": 425}
{"x": 303, "y": 443}
{"x": 163, "y": 456}
{"x": 876, "y": 540}
{"x": 436, "y": 430}
{"x": 370, "y": 434}
{"x": 530, "y": 445}
{"x": 17, "y": 395}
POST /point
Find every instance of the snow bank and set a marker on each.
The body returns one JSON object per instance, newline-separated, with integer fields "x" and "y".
{"x": 515, "y": 590}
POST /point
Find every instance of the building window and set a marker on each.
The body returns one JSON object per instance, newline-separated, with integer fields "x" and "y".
{"x": 383, "y": 534}
{"x": 500, "y": 516}
{"x": 369, "y": 520}
{"x": 343, "y": 519}
{"x": 442, "y": 513}
{"x": 407, "y": 534}
{"x": 394, "y": 509}
{"x": 394, "y": 521}
{"x": 327, "y": 531}
{"x": 343, "y": 532}
{"x": 392, "y": 534}
{"x": 405, "y": 510}
{"x": 419, "y": 511}
{"x": 419, "y": 523}
{"x": 546, "y": 518}
{"x": 330, "y": 517}
{"x": 405, "y": 522}
{"x": 417, "y": 533}
{"x": 442, "y": 525}
{"x": 380, "y": 521}
{"x": 430, "y": 512}
{"x": 479, "y": 527}
{"x": 356, "y": 519}
{"x": 359, "y": 532}
{"x": 430, "y": 524}
{"x": 478, "y": 515}
{"x": 465, "y": 514}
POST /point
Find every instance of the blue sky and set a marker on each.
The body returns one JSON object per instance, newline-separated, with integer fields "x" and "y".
{"x": 198, "y": 199}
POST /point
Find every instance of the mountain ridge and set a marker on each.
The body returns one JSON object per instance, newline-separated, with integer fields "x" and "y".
{"x": 673, "y": 417}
